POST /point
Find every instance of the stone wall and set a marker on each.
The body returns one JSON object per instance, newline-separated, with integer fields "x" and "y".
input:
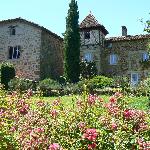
{"x": 51, "y": 58}
{"x": 29, "y": 39}
{"x": 129, "y": 54}
{"x": 94, "y": 45}
{"x": 95, "y": 50}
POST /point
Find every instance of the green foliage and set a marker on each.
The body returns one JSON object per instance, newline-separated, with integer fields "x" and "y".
{"x": 49, "y": 87}
{"x": 99, "y": 82}
{"x": 143, "y": 88}
{"x": 72, "y": 44}
{"x": 7, "y": 73}
{"x": 123, "y": 83}
{"x": 147, "y": 28}
{"x": 71, "y": 88}
{"x": 21, "y": 84}
{"x": 87, "y": 69}
{"x": 91, "y": 122}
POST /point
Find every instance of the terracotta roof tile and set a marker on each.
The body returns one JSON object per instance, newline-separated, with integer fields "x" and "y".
{"x": 128, "y": 37}
{"x": 91, "y": 22}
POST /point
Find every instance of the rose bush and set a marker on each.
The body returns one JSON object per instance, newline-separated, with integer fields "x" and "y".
{"x": 90, "y": 123}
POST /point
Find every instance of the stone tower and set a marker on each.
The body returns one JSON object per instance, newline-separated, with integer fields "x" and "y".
{"x": 92, "y": 36}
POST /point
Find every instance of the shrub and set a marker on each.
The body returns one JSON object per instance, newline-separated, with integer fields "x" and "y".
{"x": 21, "y": 84}
{"x": 87, "y": 69}
{"x": 99, "y": 82}
{"x": 143, "y": 88}
{"x": 49, "y": 87}
{"x": 7, "y": 73}
{"x": 77, "y": 88}
{"x": 124, "y": 84}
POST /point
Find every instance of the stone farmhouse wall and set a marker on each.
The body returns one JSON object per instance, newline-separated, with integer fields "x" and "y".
{"x": 129, "y": 54}
{"x": 51, "y": 56}
{"x": 29, "y": 40}
{"x": 41, "y": 51}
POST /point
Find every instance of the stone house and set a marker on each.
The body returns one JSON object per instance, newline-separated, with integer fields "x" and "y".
{"x": 114, "y": 56}
{"x": 35, "y": 51}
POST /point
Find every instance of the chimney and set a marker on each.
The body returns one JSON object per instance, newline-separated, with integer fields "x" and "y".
{"x": 124, "y": 31}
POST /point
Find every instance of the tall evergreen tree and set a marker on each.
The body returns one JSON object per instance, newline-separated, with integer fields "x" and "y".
{"x": 72, "y": 44}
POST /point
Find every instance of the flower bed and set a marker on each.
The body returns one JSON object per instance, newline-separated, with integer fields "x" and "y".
{"x": 91, "y": 124}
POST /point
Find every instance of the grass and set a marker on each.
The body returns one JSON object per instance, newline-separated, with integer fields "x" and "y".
{"x": 141, "y": 103}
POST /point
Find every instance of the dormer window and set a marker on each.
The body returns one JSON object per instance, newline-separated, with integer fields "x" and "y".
{"x": 87, "y": 35}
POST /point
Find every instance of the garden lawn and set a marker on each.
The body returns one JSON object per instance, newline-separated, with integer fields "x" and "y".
{"x": 141, "y": 103}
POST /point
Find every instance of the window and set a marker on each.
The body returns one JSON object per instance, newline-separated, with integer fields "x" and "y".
{"x": 87, "y": 35}
{"x": 113, "y": 59}
{"x": 14, "y": 52}
{"x": 145, "y": 56}
{"x": 12, "y": 31}
{"x": 109, "y": 45}
{"x": 134, "y": 78}
{"x": 88, "y": 57}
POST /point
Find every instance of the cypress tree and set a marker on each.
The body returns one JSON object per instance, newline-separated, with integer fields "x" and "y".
{"x": 72, "y": 44}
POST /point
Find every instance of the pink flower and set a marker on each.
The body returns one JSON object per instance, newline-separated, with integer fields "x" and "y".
{"x": 54, "y": 113}
{"x": 13, "y": 129}
{"x": 56, "y": 102}
{"x": 23, "y": 111}
{"x": 143, "y": 145}
{"x": 112, "y": 99}
{"x": 118, "y": 95}
{"x": 114, "y": 126}
{"x": 79, "y": 103}
{"x": 82, "y": 125}
{"x": 128, "y": 113}
{"x": 39, "y": 130}
{"x": 92, "y": 146}
{"x": 90, "y": 134}
{"x": 40, "y": 103}
{"x": 91, "y": 99}
{"x": 112, "y": 108}
{"x": 54, "y": 146}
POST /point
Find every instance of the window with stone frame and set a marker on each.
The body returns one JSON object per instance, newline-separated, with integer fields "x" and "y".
{"x": 14, "y": 52}
{"x": 113, "y": 59}
{"x": 145, "y": 56}
{"x": 12, "y": 30}
{"x": 88, "y": 57}
{"x": 87, "y": 35}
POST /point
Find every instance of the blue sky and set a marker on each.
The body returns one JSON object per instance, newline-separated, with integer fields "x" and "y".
{"x": 52, "y": 13}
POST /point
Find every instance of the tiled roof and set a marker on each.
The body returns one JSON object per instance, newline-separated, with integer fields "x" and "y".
{"x": 91, "y": 22}
{"x": 31, "y": 23}
{"x": 128, "y": 37}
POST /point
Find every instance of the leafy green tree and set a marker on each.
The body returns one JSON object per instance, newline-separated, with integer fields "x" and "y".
{"x": 72, "y": 44}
